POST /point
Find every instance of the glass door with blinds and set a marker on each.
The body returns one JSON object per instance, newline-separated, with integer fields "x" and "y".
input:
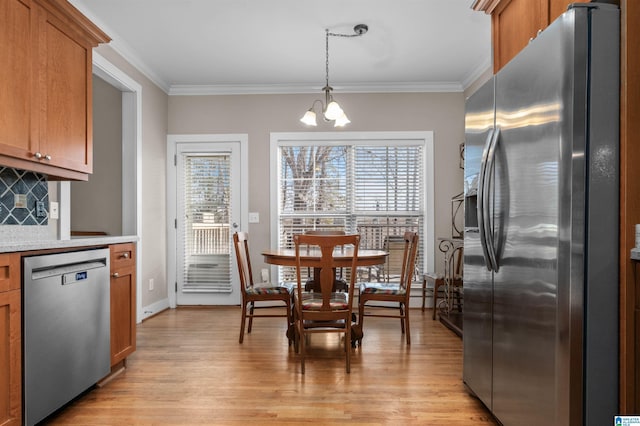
{"x": 207, "y": 202}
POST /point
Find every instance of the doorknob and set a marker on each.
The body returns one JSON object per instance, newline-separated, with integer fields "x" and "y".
{"x": 235, "y": 225}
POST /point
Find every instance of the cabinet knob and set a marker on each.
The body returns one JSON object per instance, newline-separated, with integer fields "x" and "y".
{"x": 125, "y": 255}
{"x": 37, "y": 155}
{"x": 47, "y": 157}
{"x": 115, "y": 275}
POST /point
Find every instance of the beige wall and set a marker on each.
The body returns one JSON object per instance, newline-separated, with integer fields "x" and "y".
{"x": 154, "y": 136}
{"x": 96, "y": 205}
{"x": 259, "y": 115}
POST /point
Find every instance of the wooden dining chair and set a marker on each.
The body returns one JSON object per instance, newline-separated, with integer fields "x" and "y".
{"x": 339, "y": 283}
{"x": 326, "y": 311}
{"x": 253, "y": 293}
{"x": 396, "y": 292}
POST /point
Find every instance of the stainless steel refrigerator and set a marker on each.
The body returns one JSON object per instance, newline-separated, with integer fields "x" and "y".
{"x": 541, "y": 227}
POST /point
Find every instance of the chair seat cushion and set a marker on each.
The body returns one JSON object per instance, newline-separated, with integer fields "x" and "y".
{"x": 381, "y": 288}
{"x": 313, "y": 301}
{"x": 269, "y": 289}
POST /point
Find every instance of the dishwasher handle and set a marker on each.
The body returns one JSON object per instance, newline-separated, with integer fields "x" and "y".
{"x": 69, "y": 273}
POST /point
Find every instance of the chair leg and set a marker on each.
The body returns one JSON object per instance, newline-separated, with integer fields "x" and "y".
{"x": 347, "y": 347}
{"x": 361, "y": 303}
{"x": 424, "y": 292}
{"x": 402, "y": 316}
{"x": 243, "y": 312}
{"x": 290, "y": 337}
{"x": 406, "y": 325}
{"x": 296, "y": 333}
{"x": 436, "y": 286}
{"x": 303, "y": 349}
{"x": 251, "y": 306}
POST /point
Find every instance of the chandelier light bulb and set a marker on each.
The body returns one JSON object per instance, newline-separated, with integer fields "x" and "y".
{"x": 333, "y": 111}
{"x": 309, "y": 118}
{"x": 342, "y": 120}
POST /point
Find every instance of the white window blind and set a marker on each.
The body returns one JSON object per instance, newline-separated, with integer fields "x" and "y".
{"x": 207, "y": 261}
{"x": 375, "y": 190}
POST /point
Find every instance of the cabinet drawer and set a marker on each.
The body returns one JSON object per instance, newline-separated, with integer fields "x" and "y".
{"x": 9, "y": 272}
{"x": 122, "y": 256}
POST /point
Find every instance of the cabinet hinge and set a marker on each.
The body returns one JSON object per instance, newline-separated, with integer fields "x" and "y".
{"x": 175, "y": 223}
{"x": 176, "y": 286}
{"x": 175, "y": 160}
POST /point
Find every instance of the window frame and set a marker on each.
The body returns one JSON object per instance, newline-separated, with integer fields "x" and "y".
{"x": 423, "y": 138}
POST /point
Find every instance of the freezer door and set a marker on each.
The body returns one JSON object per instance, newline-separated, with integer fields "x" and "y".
{"x": 541, "y": 195}
{"x": 532, "y": 177}
{"x": 477, "y": 314}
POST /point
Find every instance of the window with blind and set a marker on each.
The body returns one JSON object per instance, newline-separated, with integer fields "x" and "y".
{"x": 206, "y": 198}
{"x": 372, "y": 188}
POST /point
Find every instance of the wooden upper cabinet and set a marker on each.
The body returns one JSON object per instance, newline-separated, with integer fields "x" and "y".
{"x": 515, "y": 22}
{"x": 45, "y": 87}
{"x": 66, "y": 78}
{"x": 16, "y": 68}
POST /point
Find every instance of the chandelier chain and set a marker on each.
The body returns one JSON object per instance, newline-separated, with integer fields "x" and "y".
{"x": 359, "y": 30}
{"x": 327, "y": 57}
{"x": 331, "y": 111}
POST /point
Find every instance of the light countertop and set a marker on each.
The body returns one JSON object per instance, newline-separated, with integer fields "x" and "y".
{"x": 13, "y": 246}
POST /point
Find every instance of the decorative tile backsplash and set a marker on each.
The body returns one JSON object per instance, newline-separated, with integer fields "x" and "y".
{"x": 17, "y": 186}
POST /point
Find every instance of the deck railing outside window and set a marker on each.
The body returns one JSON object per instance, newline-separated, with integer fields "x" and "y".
{"x": 210, "y": 238}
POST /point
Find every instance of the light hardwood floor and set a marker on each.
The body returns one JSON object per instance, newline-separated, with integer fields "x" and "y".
{"x": 190, "y": 370}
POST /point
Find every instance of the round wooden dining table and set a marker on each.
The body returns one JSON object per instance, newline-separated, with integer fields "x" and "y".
{"x": 311, "y": 257}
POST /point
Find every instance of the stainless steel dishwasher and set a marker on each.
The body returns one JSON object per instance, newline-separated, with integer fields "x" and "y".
{"x": 66, "y": 332}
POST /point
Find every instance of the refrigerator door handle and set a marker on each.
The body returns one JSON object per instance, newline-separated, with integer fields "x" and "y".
{"x": 481, "y": 211}
{"x": 488, "y": 214}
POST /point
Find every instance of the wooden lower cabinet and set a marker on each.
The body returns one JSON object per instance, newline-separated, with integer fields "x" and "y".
{"x": 123, "y": 301}
{"x": 123, "y": 323}
{"x": 10, "y": 341}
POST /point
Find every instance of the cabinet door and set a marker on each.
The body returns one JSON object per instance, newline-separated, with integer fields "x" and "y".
{"x": 10, "y": 352}
{"x": 17, "y": 40}
{"x": 65, "y": 83}
{"x": 513, "y": 24}
{"x": 123, "y": 301}
{"x": 10, "y": 341}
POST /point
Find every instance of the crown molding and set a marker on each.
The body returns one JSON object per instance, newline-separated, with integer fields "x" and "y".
{"x": 273, "y": 89}
{"x": 476, "y": 73}
{"x": 486, "y": 6}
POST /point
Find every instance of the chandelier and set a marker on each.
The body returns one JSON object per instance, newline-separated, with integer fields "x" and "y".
{"x": 331, "y": 111}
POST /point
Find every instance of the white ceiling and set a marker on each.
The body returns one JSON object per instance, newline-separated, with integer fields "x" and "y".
{"x": 278, "y": 46}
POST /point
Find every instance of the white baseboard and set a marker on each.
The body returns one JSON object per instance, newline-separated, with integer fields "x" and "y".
{"x": 153, "y": 309}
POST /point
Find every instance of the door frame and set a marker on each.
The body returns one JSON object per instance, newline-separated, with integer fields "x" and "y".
{"x": 131, "y": 166}
{"x": 242, "y": 140}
